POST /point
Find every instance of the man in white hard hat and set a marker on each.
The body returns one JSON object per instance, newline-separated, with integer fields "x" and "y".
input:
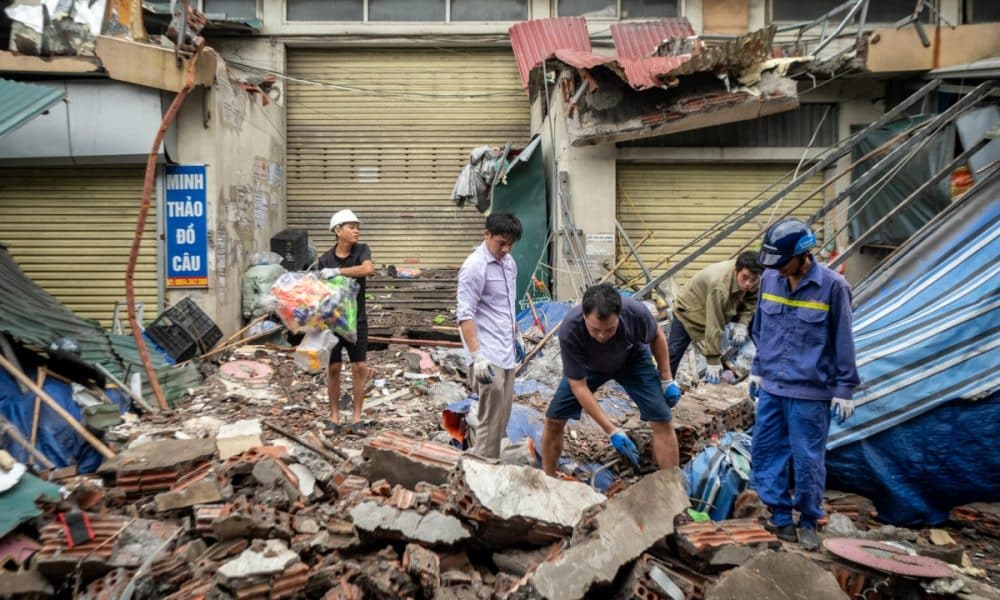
{"x": 349, "y": 258}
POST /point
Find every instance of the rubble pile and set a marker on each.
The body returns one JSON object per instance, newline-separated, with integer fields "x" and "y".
{"x": 240, "y": 492}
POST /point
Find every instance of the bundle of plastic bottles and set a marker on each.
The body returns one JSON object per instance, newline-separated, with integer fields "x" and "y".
{"x": 306, "y": 303}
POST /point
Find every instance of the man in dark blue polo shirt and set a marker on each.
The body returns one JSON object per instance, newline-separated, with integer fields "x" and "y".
{"x": 803, "y": 370}
{"x": 610, "y": 337}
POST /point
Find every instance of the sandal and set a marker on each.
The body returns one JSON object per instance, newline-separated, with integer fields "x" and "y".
{"x": 335, "y": 428}
{"x": 359, "y": 428}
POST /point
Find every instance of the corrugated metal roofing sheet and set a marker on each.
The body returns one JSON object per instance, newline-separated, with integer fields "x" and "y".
{"x": 645, "y": 73}
{"x": 21, "y": 102}
{"x": 567, "y": 39}
{"x": 35, "y": 318}
{"x": 536, "y": 40}
{"x": 638, "y": 40}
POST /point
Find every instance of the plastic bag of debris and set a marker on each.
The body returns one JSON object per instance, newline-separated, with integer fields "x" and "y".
{"x": 344, "y": 316}
{"x": 313, "y": 354}
{"x": 307, "y": 303}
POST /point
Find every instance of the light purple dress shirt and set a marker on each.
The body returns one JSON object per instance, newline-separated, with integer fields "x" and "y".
{"x": 486, "y": 289}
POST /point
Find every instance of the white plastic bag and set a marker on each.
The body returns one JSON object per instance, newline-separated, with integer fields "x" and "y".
{"x": 313, "y": 353}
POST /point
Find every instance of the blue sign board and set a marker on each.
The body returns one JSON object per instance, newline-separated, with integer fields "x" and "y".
{"x": 187, "y": 226}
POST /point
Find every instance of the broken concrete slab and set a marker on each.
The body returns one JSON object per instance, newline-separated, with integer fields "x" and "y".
{"x": 275, "y": 474}
{"x": 519, "y": 505}
{"x": 236, "y": 438}
{"x": 777, "y": 575}
{"x": 432, "y": 528}
{"x": 632, "y": 521}
{"x": 307, "y": 481}
{"x": 160, "y": 454}
{"x": 261, "y": 558}
{"x": 204, "y": 491}
{"x": 403, "y": 460}
{"x": 518, "y": 562}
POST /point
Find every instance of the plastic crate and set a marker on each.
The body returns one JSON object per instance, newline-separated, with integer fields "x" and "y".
{"x": 293, "y": 246}
{"x": 184, "y": 331}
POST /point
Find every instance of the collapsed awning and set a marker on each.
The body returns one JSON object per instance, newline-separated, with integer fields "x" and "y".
{"x": 22, "y": 102}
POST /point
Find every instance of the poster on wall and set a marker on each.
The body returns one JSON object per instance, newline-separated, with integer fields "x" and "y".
{"x": 187, "y": 227}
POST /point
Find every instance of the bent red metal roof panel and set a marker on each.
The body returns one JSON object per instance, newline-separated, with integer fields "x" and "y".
{"x": 638, "y": 40}
{"x": 536, "y": 40}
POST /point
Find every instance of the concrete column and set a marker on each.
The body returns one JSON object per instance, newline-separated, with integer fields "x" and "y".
{"x": 590, "y": 192}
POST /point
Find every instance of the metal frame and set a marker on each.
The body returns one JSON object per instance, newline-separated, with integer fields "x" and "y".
{"x": 618, "y": 11}
{"x": 365, "y": 12}
{"x": 834, "y": 155}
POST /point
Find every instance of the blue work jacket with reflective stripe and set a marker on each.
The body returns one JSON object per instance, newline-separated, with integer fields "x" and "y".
{"x": 805, "y": 347}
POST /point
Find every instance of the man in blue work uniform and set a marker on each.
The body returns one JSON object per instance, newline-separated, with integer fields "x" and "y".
{"x": 803, "y": 371}
{"x": 610, "y": 337}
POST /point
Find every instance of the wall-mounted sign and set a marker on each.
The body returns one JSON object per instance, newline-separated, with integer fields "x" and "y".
{"x": 187, "y": 226}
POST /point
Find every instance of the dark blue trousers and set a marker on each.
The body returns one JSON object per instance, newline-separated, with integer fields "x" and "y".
{"x": 790, "y": 432}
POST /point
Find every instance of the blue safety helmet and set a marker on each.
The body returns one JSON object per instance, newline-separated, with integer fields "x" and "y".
{"x": 784, "y": 240}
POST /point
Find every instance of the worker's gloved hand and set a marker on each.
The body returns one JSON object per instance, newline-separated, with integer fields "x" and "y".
{"x": 739, "y": 334}
{"x": 713, "y": 374}
{"x": 671, "y": 392}
{"x": 754, "y": 388}
{"x": 842, "y": 409}
{"x": 482, "y": 371}
{"x": 728, "y": 377}
{"x": 519, "y": 352}
{"x": 623, "y": 444}
{"x": 329, "y": 273}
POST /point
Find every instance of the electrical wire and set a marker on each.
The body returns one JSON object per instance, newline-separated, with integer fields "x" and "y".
{"x": 413, "y": 96}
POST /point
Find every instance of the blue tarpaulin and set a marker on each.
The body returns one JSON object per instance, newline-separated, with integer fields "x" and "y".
{"x": 56, "y": 439}
{"x": 927, "y": 335}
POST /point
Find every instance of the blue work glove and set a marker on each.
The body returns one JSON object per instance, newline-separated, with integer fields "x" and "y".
{"x": 713, "y": 374}
{"x": 754, "y": 388}
{"x": 671, "y": 392}
{"x": 623, "y": 444}
{"x": 842, "y": 409}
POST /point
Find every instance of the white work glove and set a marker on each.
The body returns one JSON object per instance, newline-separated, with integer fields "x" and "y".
{"x": 842, "y": 408}
{"x": 713, "y": 374}
{"x": 329, "y": 273}
{"x": 754, "y": 387}
{"x": 482, "y": 371}
{"x": 739, "y": 334}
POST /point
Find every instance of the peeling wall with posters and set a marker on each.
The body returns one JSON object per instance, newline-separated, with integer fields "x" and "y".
{"x": 241, "y": 142}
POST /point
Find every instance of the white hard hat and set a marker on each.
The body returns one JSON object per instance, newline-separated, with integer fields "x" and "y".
{"x": 343, "y": 216}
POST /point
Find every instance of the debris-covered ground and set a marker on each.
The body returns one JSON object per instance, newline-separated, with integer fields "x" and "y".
{"x": 241, "y": 492}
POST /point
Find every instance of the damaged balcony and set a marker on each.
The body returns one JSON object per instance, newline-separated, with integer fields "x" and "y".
{"x": 663, "y": 80}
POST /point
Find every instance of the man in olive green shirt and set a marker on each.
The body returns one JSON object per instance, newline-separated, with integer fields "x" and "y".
{"x": 723, "y": 292}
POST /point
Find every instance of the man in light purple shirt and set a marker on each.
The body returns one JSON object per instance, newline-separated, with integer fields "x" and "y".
{"x": 487, "y": 283}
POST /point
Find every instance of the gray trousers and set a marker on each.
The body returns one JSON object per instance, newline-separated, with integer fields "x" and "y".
{"x": 495, "y": 400}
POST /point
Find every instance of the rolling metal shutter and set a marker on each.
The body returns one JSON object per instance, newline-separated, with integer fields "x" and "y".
{"x": 387, "y": 137}
{"x": 70, "y": 230}
{"x": 677, "y": 202}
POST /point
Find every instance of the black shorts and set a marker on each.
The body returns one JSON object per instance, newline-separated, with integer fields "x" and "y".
{"x": 356, "y": 351}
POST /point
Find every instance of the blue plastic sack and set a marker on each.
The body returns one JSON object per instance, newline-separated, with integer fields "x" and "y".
{"x": 718, "y": 474}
